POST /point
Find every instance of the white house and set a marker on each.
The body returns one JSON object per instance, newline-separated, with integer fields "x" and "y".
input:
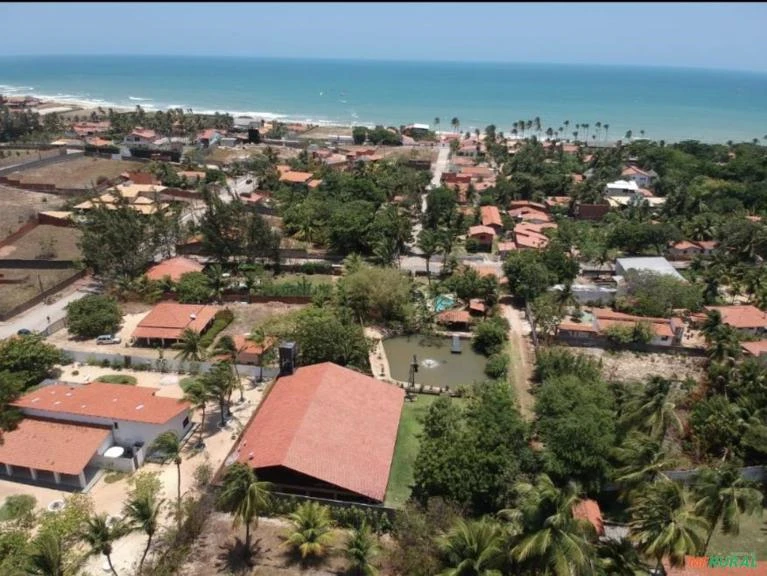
{"x": 621, "y": 188}
{"x": 79, "y": 428}
{"x": 643, "y": 178}
{"x": 140, "y": 137}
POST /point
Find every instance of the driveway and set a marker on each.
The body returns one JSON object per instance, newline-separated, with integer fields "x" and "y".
{"x": 439, "y": 167}
{"x": 522, "y": 358}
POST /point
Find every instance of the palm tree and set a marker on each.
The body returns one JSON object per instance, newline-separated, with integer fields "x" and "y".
{"x": 220, "y": 382}
{"x": 215, "y": 274}
{"x": 144, "y": 510}
{"x": 190, "y": 346}
{"x": 606, "y": 127}
{"x": 664, "y": 524}
{"x": 619, "y": 558}
{"x": 198, "y": 395}
{"x": 361, "y": 548}
{"x": 436, "y": 123}
{"x": 551, "y": 537}
{"x": 226, "y": 347}
{"x": 47, "y": 555}
{"x": 170, "y": 445}
{"x": 260, "y": 339}
{"x": 723, "y": 496}
{"x": 244, "y": 496}
{"x": 100, "y": 536}
{"x": 652, "y": 410}
{"x": 428, "y": 242}
{"x": 473, "y": 548}
{"x": 643, "y": 461}
{"x": 311, "y": 530}
{"x": 455, "y": 123}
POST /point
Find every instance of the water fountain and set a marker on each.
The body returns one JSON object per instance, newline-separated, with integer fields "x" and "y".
{"x": 430, "y": 363}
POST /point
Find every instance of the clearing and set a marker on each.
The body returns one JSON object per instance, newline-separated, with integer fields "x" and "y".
{"x": 14, "y": 156}
{"x": 34, "y": 282}
{"x": 45, "y": 242}
{"x": 752, "y": 538}
{"x": 629, "y": 366}
{"x": 248, "y": 316}
{"x": 18, "y": 206}
{"x": 82, "y": 172}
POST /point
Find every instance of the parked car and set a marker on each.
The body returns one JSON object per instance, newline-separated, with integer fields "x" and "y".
{"x": 24, "y": 332}
{"x": 108, "y": 339}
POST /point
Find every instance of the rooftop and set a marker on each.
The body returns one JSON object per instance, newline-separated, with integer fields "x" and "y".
{"x": 102, "y": 400}
{"x": 755, "y": 348}
{"x": 478, "y": 230}
{"x": 328, "y": 422}
{"x": 168, "y": 320}
{"x": 490, "y": 216}
{"x": 744, "y": 316}
{"x": 657, "y": 264}
{"x": 52, "y": 446}
{"x": 174, "y": 267}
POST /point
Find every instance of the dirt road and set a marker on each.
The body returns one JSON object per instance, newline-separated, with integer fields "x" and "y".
{"x": 522, "y": 359}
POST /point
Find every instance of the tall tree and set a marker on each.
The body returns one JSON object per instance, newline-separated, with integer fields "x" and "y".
{"x": 455, "y": 123}
{"x": 428, "y": 242}
{"x": 143, "y": 511}
{"x": 652, "y": 409}
{"x": 245, "y": 497}
{"x": 473, "y": 548}
{"x": 219, "y": 381}
{"x": 723, "y": 496}
{"x": 100, "y": 535}
{"x": 198, "y": 395}
{"x": 190, "y": 346}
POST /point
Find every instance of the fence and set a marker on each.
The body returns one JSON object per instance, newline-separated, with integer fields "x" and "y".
{"x": 42, "y": 296}
{"x": 39, "y": 264}
{"x": 63, "y": 157}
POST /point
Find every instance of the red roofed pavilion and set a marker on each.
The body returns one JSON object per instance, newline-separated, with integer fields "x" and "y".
{"x": 325, "y": 431}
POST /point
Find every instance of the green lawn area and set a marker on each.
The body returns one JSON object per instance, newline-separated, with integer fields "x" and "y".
{"x": 406, "y": 450}
{"x": 311, "y": 278}
{"x": 752, "y": 538}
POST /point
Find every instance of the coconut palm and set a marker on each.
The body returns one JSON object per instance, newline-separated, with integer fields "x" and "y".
{"x": 619, "y": 558}
{"x": 226, "y": 347}
{"x": 644, "y": 461}
{"x": 47, "y": 557}
{"x": 310, "y": 536}
{"x": 198, "y": 395}
{"x": 723, "y": 495}
{"x": 169, "y": 444}
{"x": 220, "y": 382}
{"x": 473, "y": 548}
{"x": 436, "y": 123}
{"x": 100, "y": 536}
{"x": 261, "y": 339}
{"x": 455, "y": 123}
{"x": 143, "y": 510}
{"x": 190, "y": 346}
{"x": 664, "y": 524}
{"x": 551, "y": 539}
{"x": 428, "y": 242}
{"x": 361, "y": 548}
{"x": 606, "y": 127}
{"x": 652, "y": 410}
{"x": 245, "y": 497}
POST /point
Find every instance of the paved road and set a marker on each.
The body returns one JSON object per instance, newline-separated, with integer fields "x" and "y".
{"x": 439, "y": 167}
{"x": 36, "y": 318}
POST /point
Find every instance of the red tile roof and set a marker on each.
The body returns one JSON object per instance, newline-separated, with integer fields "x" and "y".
{"x": 490, "y": 216}
{"x": 745, "y": 316}
{"x": 454, "y": 317}
{"x": 755, "y": 348}
{"x": 589, "y": 510}
{"x": 52, "y": 446}
{"x": 102, "y": 400}
{"x": 144, "y": 133}
{"x": 246, "y": 346}
{"x": 330, "y": 423}
{"x": 606, "y": 318}
{"x": 477, "y": 305}
{"x": 530, "y": 214}
{"x": 526, "y": 204}
{"x": 685, "y": 245}
{"x": 295, "y": 177}
{"x": 174, "y": 267}
{"x": 506, "y": 246}
{"x": 168, "y": 320}
{"x": 480, "y": 230}
{"x": 142, "y": 178}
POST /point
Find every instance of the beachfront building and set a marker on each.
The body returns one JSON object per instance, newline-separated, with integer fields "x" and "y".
{"x": 166, "y": 322}
{"x": 71, "y": 431}
{"x": 140, "y": 137}
{"x": 324, "y": 431}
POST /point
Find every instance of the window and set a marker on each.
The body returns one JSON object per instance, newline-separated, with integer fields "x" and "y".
{"x": 186, "y": 422}
{"x": 116, "y": 426}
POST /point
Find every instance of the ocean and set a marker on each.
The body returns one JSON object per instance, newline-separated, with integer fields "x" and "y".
{"x": 666, "y": 103}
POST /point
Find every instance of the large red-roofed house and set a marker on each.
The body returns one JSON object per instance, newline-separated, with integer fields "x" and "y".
{"x": 166, "y": 322}
{"x": 325, "y": 431}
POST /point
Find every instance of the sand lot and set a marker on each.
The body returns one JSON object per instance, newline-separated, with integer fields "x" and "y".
{"x": 81, "y": 172}
{"x": 13, "y": 156}
{"x": 626, "y": 366}
{"x": 18, "y": 206}
{"x": 52, "y": 242}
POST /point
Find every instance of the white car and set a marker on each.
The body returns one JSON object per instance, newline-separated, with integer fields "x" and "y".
{"x": 108, "y": 339}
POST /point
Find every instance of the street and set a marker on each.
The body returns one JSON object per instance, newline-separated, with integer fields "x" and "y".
{"x": 439, "y": 167}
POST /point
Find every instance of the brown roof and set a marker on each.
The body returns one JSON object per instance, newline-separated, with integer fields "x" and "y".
{"x": 479, "y": 230}
{"x": 246, "y": 346}
{"x": 755, "y": 348}
{"x": 142, "y": 178}
{"x": 685, "y": 245}
{"x": 530, "y": 214}
{"x": 295, "y": 177}
{"x": 589, "y": 510}
{"x": 454, "y": 317}
{"x": 745, "y": 316}
{"x": 52, "y": 446}
{"x": 507, "y": 246}
{"x": 526, "y": 204}
{"x": 102, "y": 400}
{"x": 606, "y": 318}
{"x": 168, "y": 320}
{"x": 477, "y": 305}
{"x": 144, "y": 133}
{"x": 490, "y": 216}
{"x": 175, "y": 268}
{"x": 330, "y": 423}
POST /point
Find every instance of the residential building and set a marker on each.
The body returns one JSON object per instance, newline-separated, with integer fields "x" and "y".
{"x": 656, "y": 264}
{"x": 208, "y": 138}
{"x": 248, "y": 351}
{"x": 688, "y": 249}
{"x": 643, "y": 178}
{"x": 756, "y": 349}
{"x": 484, "y": 235}
{"x": 746, "y": 318}
{"x": 491, "y": 217}
{"x": 621, "y": 188}
{"x": 166, "y": 322}
{"x": 325, "y": 431}
{"x": 455, "y": 320}
{"x": 68, "y": 429}
{"x": 596, "y": 321}
{"x": 140, "y": 137}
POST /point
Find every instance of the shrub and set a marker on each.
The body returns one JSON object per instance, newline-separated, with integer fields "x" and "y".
{"x": 316, "y": 268}
{"x": 117, "y": 379}
{"x": 93, "y": 315}
{"x": 497, "y": 366}
{"x": 221, "y": 320}
{"x": 299, "y": 288}
{"x": 490, "y": 336}
{"x": 18, "y": 506}
{"x": 473, "y": 245}
{"x": 193, "y": 288}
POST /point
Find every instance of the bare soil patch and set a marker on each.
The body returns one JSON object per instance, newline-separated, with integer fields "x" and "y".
{"x": 78, "y": 173}
{"x": 249, "y": 316}
{"x": 35, "y": 282}
{"x": 13, "y": 156}
{"x": 18, "y": 206}
{"x": 628, "y": 366}
{"x": 46, "y": 242}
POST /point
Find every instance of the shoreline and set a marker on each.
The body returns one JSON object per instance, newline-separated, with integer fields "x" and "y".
{"x": 71, "y": 105}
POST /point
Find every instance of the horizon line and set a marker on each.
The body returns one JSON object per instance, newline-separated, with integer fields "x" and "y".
{"x": 391, "y": 60}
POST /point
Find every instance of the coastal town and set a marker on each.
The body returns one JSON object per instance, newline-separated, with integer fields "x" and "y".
{"x": 233, "y": 345}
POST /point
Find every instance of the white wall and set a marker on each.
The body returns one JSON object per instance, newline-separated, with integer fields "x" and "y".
{"x": 127, "y": 433}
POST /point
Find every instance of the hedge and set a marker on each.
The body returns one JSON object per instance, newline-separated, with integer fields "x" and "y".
{"x": 221, "y": 320}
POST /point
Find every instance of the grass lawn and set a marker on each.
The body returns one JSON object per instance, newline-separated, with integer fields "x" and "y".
{"x": 406, "y": 449}
{"x": 311, "y": 278}
{"x": 752, "y": 538}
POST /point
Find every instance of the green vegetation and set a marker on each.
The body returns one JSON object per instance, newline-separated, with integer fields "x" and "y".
{"x": 93, "y": 315}
{"x": 221, "y": 320}
{"x": 491, "y": 335}
{"x": 118, "y": 379}
{"x": 17, "y": 507}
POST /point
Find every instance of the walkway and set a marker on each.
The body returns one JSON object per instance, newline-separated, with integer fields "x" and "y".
{"x": 439, "y": 167}
{"x": 379, "y": 363}
{"x": 522, "y": 360}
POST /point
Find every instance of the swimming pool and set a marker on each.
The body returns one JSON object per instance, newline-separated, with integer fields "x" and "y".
{"x": 443, "y": 302}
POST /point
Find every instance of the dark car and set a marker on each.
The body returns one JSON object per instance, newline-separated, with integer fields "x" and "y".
{"x": 24, "y": 332}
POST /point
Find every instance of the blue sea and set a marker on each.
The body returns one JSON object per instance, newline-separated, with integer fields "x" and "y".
{"x": 665, "y": 103}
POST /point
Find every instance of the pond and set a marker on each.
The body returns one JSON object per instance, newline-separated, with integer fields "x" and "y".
{"x": 437, "y": 365}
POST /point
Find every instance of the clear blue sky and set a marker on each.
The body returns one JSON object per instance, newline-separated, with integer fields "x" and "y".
{"x": 708, "y": 35}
